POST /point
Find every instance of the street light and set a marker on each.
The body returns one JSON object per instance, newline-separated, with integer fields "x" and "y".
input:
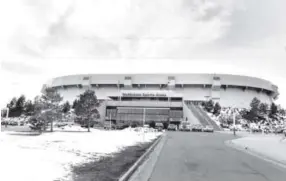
{"x": 110, "y": 120}
{"x": 7, "y": 112}
{"x": 144, "y": 112}
{"x": 118, "y": 89}
{"x": 234, "y": 124}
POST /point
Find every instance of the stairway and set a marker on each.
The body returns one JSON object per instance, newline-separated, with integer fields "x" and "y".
{"x": 209, "y": 120}
{"x": 202, "y": 116}
{"x": 198, "y": 115}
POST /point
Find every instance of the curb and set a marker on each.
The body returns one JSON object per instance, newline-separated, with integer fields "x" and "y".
{"x": 143, "y": 157}
{"x": 256, "y": 154}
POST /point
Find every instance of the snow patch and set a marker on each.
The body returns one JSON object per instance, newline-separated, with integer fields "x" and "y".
{"x": 50, "y": 156}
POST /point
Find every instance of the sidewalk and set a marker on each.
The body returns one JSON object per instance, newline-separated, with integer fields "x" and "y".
{"x": 145, "y": 170}
{"x": 265, "y": 146}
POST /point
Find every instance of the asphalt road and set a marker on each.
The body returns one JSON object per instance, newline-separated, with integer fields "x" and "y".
{"x": 188, "y": 156}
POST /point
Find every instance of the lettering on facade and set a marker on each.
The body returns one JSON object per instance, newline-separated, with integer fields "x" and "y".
{"x": 144, "y": 95}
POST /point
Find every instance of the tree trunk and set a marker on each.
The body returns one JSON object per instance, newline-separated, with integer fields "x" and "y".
{"x": 88, "y": 125}
{"x": 52, "y": 125}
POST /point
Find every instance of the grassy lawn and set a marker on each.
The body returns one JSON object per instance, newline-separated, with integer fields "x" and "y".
{"x": 110, "y": 168}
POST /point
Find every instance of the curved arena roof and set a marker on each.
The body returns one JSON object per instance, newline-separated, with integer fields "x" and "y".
{"x": 185, "y": 79}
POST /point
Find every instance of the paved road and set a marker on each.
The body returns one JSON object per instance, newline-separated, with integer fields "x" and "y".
{"x": 188, "y": 156}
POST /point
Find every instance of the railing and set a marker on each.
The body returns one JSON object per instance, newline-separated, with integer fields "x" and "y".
{"x": 198, "y": 115}
{"x": 208, "y": 119}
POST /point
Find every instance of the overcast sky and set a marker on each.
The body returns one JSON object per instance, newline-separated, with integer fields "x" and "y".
{"x": 42, "y": 39}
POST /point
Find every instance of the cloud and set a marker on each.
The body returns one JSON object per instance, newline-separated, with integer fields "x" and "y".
{"x": 20, "y": 68}
{"x": 50, "y": 38}
{"x": 110, "y": 28}
{"x": 257, "y": 20}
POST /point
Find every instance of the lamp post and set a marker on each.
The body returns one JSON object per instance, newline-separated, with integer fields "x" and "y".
{"x": 144, "y": 114}
{"x": 110, "y": 120}
{"x": 234, "y": 124}
{"x": 118, "y": 87}
{"x": 7, "y": 112}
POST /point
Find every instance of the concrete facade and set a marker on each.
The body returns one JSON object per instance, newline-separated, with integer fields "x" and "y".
{"x": 228, "y": 90}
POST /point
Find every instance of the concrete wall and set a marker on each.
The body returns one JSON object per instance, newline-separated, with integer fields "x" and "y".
{"x": 231, "y": 97}
{"x": 102, "y": 109}
{"x": 194, "y": 93}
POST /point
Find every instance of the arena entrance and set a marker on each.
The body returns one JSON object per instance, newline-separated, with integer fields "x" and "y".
{"x": 139, "y": 116}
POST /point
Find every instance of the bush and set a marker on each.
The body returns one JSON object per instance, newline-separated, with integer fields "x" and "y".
{"x": 165, "y": 124}
{"x": 152, "y": 124}
{"x": 134, "y": 125}
{"x": 217, "y": 109}
{"x": 37, "y": 124}
{"x": 209, "y": 106}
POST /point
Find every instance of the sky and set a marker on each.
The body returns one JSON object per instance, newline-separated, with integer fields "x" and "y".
{"x": 42, "y": 39}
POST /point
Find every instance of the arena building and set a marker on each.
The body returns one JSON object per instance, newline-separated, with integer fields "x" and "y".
{"x": 163, "y": 96}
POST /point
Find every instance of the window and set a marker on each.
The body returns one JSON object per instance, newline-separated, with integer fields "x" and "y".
{"x": 216, "y": 78}
{"x": 85, "y": 78}
{"x": 128, "y": 78}
{"x": 171, "y": 78}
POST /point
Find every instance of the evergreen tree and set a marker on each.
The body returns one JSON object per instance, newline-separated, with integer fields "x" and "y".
{"x": 47, "y": 107}
{"x": 263, "y": 108}
{"x": 254, "y": 105}
{"x": 37, "y": 121}
{"x": 66, "y": 107}
{"x": 74, "y": 103}
{"x": 217, "y": 109}
{"x": 152, "y": 124}
{"x": 12, "y": 103}
{"x": 209, "y": 106}
{"x": 282, "y": 112}
{"x": 16, "y": 106}
{"x": 273, "y": 110}
{"x": 86, "y": 108}
{"x": 29, "y": 108}
{"x": 203, "y": 103}
{"x": 253, "y": 113}
{"x": 12, "y": 107}
{"x": 37, "y": 124}
{"x": 19, "y": 109}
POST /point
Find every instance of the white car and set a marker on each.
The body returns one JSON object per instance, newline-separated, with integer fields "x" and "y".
{"x": 208, "y": 129}
{"x": 185, "y": 127}
{"x": 172, "y": 127}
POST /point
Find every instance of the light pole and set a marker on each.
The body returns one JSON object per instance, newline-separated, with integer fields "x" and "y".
{"x": 234, "y": 124}
{"x": 144, "y": 113}
{"x": 7, "y": 112}
{"x": 110, "y": 120}
{"x": 118, "y": 89}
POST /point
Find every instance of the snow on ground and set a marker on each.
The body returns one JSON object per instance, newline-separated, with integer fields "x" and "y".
{"x": 269, "y": 145}
{"x": 50, "y": 156}
{"x": 214, "y": 118}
